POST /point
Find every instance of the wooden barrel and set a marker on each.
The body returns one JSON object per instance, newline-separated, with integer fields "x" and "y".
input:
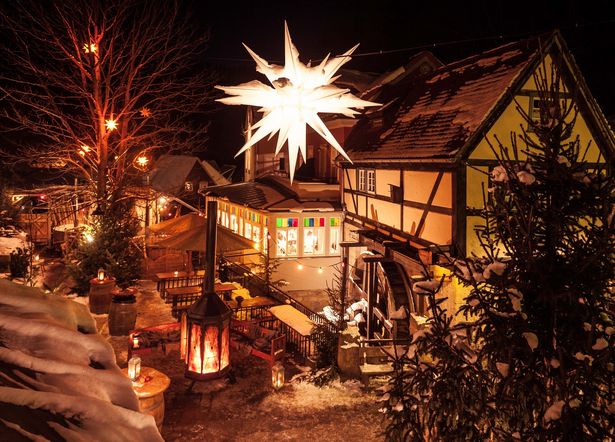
{"x": 150, "y": 390}
{"x": 123, "y": 313}
{"x": 100, "y": 295}
{"x": 154, "y": 406}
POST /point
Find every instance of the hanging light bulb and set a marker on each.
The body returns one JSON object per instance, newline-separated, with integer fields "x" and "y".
{"x": 111, "y": 124}
{"x": 320, "y": 270}
{"x": 299, "y": 266}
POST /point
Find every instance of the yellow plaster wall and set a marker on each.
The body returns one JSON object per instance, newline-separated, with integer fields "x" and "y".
{"x": 384, "y": 178}
{"x": 387, "y": 213}
{"x": 438, "y": 228}
{"x": 361, "y": 205}
{"x": 350, "y": 205}
{"x": 412, "y": 216}
{"x": 350, "y": 181}
{"x": 510, "y": 121}
{"x": 418, "y": 186}
{"x": 454, "y": 291}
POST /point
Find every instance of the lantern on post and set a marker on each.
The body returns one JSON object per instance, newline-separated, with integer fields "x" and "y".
{"x": 277, "y": 375}
{"x": 205, "y": 327}
{"x": 134, "y": 368}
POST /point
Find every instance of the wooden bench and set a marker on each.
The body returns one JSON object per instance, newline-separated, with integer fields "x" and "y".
{"x": 264, "y": 343}
{"x": 165, "y": 337}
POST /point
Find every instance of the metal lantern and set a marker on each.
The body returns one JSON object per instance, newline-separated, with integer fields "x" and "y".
{"x": 205, "y": 327}
{"x": 134, "y": 368}
{"x": 101, "y": 274}
{"x": 277, "y": 375}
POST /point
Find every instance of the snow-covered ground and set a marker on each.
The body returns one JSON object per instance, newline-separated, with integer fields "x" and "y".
{"x": 10, "y": 244}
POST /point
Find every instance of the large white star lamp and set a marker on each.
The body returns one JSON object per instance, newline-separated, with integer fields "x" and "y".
{"x": 298, "y": 93}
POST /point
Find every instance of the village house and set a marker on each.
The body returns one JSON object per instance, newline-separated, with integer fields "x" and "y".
{"x": 420, "y": 166}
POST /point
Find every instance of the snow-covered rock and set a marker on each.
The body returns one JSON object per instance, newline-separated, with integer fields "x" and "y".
{"x": 58, "y": 377}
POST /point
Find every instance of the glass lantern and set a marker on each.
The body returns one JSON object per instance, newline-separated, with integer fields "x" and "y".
{"x": 134, "y": 368}
{"x": 101, "y": 274}
{"x": 277, "y": 375}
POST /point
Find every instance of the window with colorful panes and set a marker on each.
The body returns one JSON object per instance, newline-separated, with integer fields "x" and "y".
{"x": 287, "y": 230}
{"x": 334, "y": 235}
{"x": 314, "y": 230}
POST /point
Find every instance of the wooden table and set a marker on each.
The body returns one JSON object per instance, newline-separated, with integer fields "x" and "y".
{"x": 293, "y": 318}
{"x": 166, "y": 280}
{"x": 182, "y": 298}
{"x": 151, "y": 393}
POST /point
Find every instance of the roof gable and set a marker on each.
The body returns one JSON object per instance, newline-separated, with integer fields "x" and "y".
{"x": 439, "y": 115}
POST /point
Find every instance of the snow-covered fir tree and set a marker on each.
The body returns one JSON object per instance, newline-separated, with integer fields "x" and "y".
{"x": 529, "y": 355}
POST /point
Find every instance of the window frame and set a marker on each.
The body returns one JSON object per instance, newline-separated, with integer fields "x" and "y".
{"x": 370, "y": 181}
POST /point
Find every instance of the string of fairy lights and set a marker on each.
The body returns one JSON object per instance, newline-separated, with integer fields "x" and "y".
{"x": 440, "y": 43}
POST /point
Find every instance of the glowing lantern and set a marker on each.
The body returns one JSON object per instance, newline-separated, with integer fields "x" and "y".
{"x": 101, "y": 274}
{"x": 277, "y": 375}
{"x": 135, "y": 342}
{"x": 134, "y": 368}
{"x": 298, "y": 93}
{"x": 205, "y": 327}
{"x": 176, "y": 273}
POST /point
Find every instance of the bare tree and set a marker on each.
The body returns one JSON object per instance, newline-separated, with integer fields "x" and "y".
{"x": 97, "y": 85}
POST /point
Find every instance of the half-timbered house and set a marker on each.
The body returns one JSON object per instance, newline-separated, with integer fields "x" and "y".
{"x": 419, "y": 167}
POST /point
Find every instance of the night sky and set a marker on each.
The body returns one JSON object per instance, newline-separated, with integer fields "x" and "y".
{"x": 457, "y": 30}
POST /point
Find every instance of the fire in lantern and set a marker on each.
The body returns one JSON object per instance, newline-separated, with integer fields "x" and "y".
{"x": 277, "y": 375}
{"x": 101, "y": 274}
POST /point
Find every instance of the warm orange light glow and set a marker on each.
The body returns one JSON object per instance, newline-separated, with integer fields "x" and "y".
{"x": 111, "y": 124}
{"x": 205, "y": 360}
{"x": 90, "y": 48}
{"x": 299, "y": 266}
{"x": 145, "y": 112}
{"x": 320, "y": 270}
{"x": 142, "y": 161}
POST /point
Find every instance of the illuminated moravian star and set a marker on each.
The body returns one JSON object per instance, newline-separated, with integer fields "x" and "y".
{"x": 298, "y": 93}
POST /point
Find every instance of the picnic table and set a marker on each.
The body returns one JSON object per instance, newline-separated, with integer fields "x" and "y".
{"x": 181, "y": 298}
{"x": 296, "y": 326}
{"x": 252, "y": 308}
{"x": 166, "y": 280}
{"x": 293, "y": 318}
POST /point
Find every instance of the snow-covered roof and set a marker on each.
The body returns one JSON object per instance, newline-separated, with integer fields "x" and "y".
{"x": 440, "y": 113}
{"x": 172, "y": 171}
{"x": 58, "y": 377}
{"x": 275, "y": 193}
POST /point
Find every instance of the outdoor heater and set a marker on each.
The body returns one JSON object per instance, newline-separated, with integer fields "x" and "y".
{"x": 205, "y": 327}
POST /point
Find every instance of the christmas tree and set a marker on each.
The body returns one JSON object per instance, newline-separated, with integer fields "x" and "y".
{"x": 529, "y": 355}
{"x": 110, "y": 246}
